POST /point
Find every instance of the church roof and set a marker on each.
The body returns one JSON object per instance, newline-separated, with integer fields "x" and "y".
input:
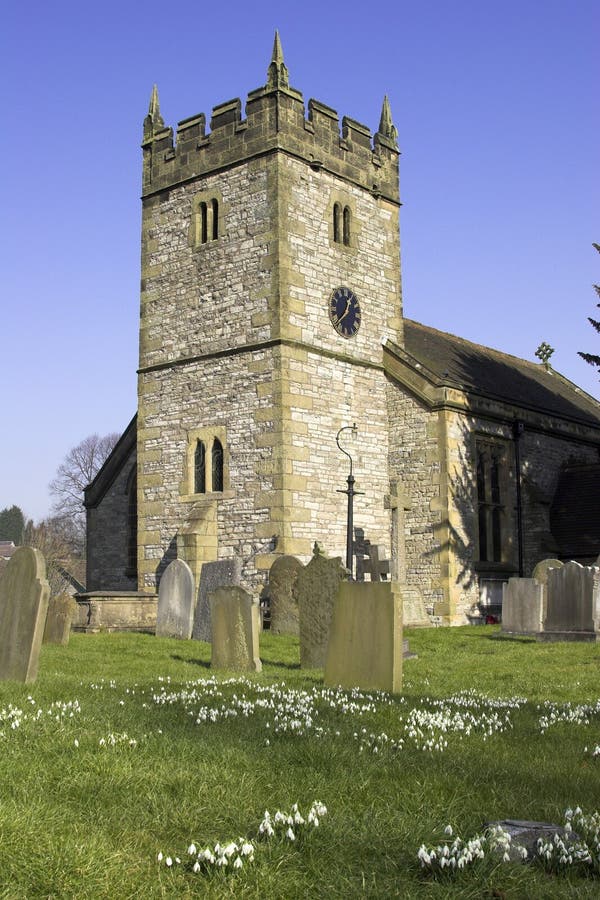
{"x": 446, "y": 359}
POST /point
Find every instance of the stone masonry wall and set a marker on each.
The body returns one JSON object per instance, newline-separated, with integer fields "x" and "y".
{"x": 542, "y": 457}
{"x": 107, "y": 537}
{"x": 415, "y": 460}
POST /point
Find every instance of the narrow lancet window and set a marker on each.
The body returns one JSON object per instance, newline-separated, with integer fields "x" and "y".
{"x": 200, "y": 469}
{"x": 337, "y": 214}
{"x": 215, "y": 219}
{"x": 203, "y": 223}
{"x": 217, "y": 465}
{"x": 347, "y": 226}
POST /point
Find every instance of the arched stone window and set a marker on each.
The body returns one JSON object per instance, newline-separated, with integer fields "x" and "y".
{"x": 346, "y": 234}
{"x": 215, "y": 218}
{"x": 200, "y": 468}
{"x": 217, "y": 465}
{"x": 337, "y": 229}
{"x": 203, "y": 223}
{"x": 491, "y": 500}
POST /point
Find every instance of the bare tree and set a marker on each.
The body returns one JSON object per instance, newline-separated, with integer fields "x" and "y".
{"x": 80, "y": 466}
{"x": 49, "y": 537}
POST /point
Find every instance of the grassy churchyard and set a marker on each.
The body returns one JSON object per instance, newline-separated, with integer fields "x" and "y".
{"x": 128, "y": 751}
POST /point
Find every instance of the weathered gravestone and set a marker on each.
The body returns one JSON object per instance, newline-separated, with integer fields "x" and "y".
{"x": 573, "y": 604}
{"x": 523, "y": 606}
{"x": 316, "y": 588}
{"x": 414, "y": 613}
{"x": 176, "y": 598}
{"x": 284, "y": 603}
{"x": 61, "y": 611}
{"x": 24, "y": 594}
{"x": 235, "y": 626}
{"x": 213, "y": 575}
{"x": 540, "y": 573}
{"x": 365, "y": 646}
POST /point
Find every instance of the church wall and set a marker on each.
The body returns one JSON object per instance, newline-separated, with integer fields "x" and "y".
{"x": 108, "y": 536}
{"x": 542, "y": 457}
{"x": 200, "y": 298}
{"x": 344, "y": 382}
{"x": 224, "y": 398}
{"x": 202, "y": 305}
{"x": 415, "y": 459}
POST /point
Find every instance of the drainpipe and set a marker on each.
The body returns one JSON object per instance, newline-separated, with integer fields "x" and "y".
{"x": 518, "y": 429}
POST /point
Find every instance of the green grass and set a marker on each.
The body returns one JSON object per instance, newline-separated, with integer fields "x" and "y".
{"x": 89, "y": 821}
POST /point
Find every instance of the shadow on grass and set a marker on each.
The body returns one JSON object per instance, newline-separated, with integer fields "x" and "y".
{"x": 475, "y": 631}
{"x": 511, "y": 638}
{"x": 280, "y": 665}
{"x": 194, "y": 662}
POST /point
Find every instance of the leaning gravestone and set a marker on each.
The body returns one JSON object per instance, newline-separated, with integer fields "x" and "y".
{"x": 234, "y": 622}
{"x": 573, "y": 604}
{"x": 24, "y": 594}
{"x": 284, "y": 604}
{"x": 213, "y": 575}
{"x": 365, "y": 646}
{"x": 523, "y": 606}
{"x": 176, "y": 596}
{"x": 316, "y": 588}
{"x": 61, "y": 611}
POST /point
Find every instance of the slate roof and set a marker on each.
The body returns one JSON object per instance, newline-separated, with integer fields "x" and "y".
{"x": 480, "y": 370}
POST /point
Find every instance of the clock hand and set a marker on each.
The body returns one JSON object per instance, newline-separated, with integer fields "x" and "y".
{"x": 346, "y": 311}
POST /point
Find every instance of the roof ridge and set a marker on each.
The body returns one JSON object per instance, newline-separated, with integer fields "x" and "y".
{"x": 538, "y": 368}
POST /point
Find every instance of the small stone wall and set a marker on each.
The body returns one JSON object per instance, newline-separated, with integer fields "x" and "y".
{"x": 120, "y": 611}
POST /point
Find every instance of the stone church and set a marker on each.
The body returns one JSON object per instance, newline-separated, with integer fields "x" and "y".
{"x": 270, "y": 318}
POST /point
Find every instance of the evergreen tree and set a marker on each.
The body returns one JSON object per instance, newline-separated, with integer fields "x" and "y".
{"x": 593, "y": 358}
{"x": 12, "y": 523}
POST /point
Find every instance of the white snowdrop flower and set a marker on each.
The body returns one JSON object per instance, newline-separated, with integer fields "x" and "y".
{"x": 238, "y": 863}
{"x": 290, "y": 834}
{"x": 192, "y": 850}
{"x": 448, "y": 830}
{"x": 247, "y": 849}
{"x": 230, "y": 849}
{"x": 169, "y": 861}
{"x": 160, "y": 856}
{"x": 76, "y": 742}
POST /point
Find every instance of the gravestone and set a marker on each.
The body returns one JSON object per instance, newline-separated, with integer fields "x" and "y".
{"x": 365, "y": 646}
{"x": 540, "y": 573}
{"x": 414, "y": 613}
{"x": 523, "y": 606}
{"x": 61, "y": 611}
{"x": 573, "y": 604}
{"x": 234, "y": 623}
{"x": 213, "y": 575}
{"x": 284, "y": 604}
{"x": 24, "y": 594}
{"x": 317, "y": 585}
{"x": 176, "y": 597}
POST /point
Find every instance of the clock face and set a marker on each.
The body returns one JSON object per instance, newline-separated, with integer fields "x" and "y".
{"x": 344, "y": 312}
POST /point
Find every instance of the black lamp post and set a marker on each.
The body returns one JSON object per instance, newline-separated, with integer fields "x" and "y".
{"x": 351, "y": 494}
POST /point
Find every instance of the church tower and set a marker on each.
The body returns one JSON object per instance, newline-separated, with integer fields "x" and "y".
{"x": 270, "y": 277}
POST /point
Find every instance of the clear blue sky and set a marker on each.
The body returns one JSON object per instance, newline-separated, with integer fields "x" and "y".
{"x": 496, "y": 108}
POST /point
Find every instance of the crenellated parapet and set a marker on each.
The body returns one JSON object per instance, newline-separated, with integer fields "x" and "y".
{"x": 275, "y": 121}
